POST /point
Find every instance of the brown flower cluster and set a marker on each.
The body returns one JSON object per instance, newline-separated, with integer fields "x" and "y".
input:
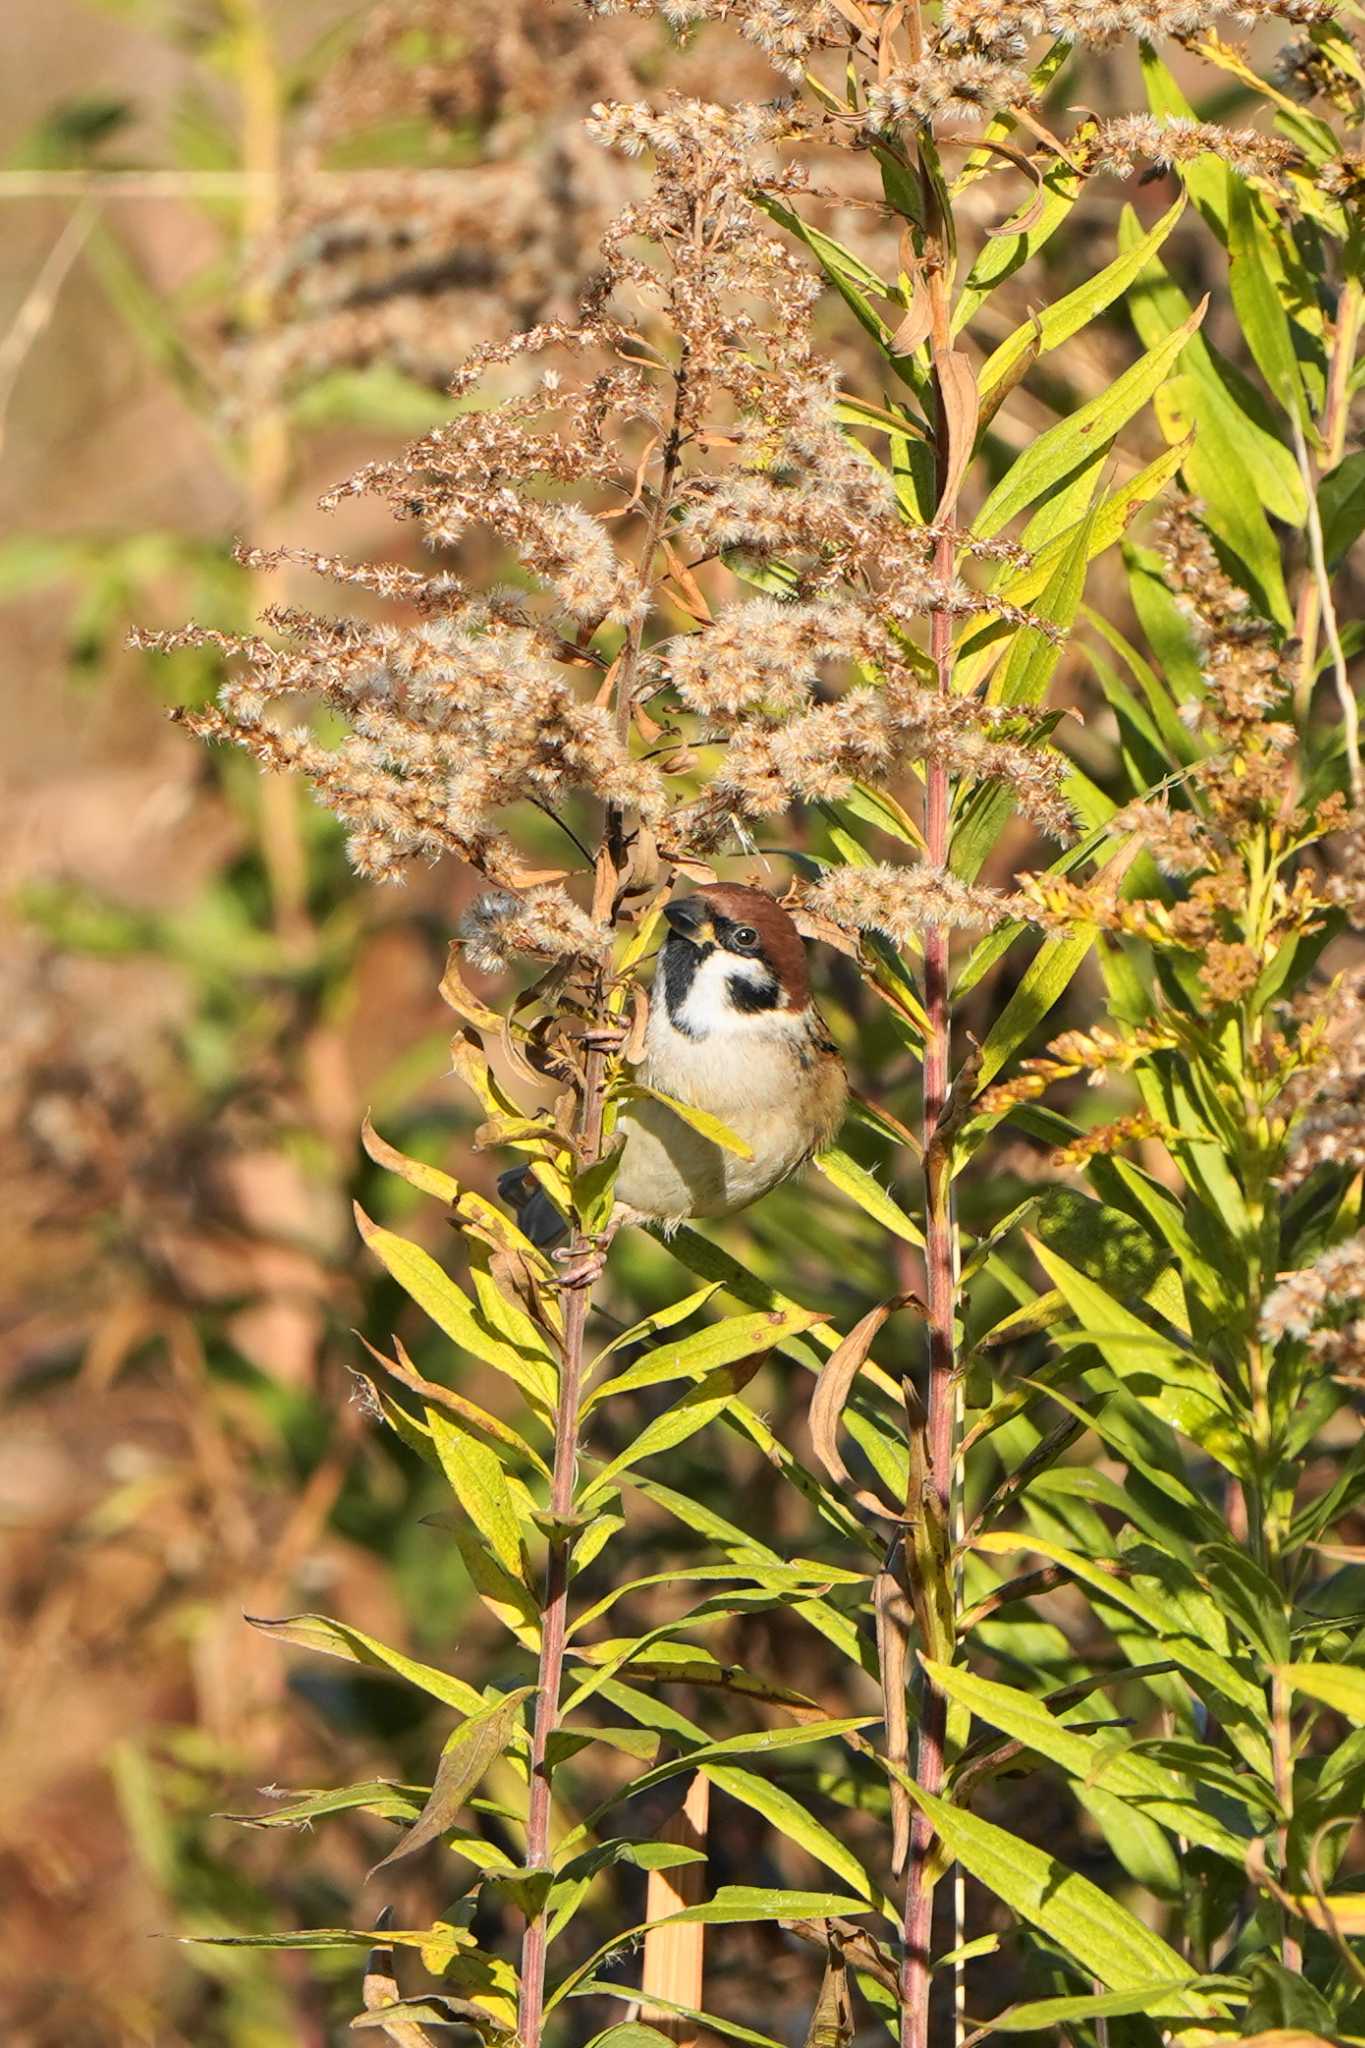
{"x": 899, "y": 902}
{"x": 1240, "y": 788}
{"x": 680, "y": 431}
{"x": 1100, "y": 22}
{"x": 1096, "y": 1054}
{"x": 1325, "y": 1095}
{"x": 961, "y": 77}
{"x": 543, "y": 921}
{"x": 408, "y": 266}
{"x": 788, "y": 32}
{"x": 1314, "y": 1307}
{"x": 1119, "y": 145}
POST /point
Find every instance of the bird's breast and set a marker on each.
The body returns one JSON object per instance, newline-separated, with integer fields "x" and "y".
{"x": 776, "y": 1093}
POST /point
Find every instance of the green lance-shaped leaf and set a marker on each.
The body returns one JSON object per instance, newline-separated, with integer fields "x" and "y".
{"x": 335, "y": 1639}
{"x": 1094, "y": 1760}
{"x": 1177, "y": 742}
{"x": 800, "y": 1576}
{"x": 1068, "y": 315}
{"x": 1112, "y": 518}
{"x": 630, "y": 2034}
{"x": 594, "y": 1188}
{"x": 981, "y": 645}
{"x": 658, "y": 1320}
{"x": 784, "y": 1812}
{"x": 471, "y": 1751}
{"x": 709, "y": 2022}
{"x": 433, "y": 1395}
{"x": 1021, "y": 680}
{"x": 1172, "y": 1382}
{"x": 563, "y": 1743}
{"x": 1057, "y": 452}
{"x": 1240, "y": 1705}
{"x": 323, "y": 1938}
{"x": 479, "y": 1483}
{"x": 833, "y": 256}
{"x": 1047, "y": 2015}
{"x": 1340, "y": 1686}
{"x": 526, "y": 1361}
{"x": 1001, "y": 256}
{"x": 1341, "y": 508}
{"x": 1237, "y": 463}
{"x": 779, "y": 1807}
{"x": 1044, "y": 982}
{"x": 722, "y": 1343}
{"x": 682, "y": 1419}
{"x": 734, "y": 1905}
{"x": 843, "y": 1172}
{"x": 1251, "y": 280}
{"x": 758, "y": 1742}
{"x": 501, "y": 1591}
{"x": 416, "y": 1172}
{"x": 376, "y": 1795}
{"x": 1100, "y": 1934}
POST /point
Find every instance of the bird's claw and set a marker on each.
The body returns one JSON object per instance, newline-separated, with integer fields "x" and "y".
{"x": 581, "y": 1269}
{"x": 605, "y": 1037}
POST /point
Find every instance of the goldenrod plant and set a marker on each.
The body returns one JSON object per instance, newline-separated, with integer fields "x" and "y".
{"x": 747, "y": 573}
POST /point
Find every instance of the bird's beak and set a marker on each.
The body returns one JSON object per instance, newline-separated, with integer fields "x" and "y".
{"x": 689, "y": 917}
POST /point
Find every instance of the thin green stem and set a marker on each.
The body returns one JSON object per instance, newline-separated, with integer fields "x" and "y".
{"x": 939, "y": 1234}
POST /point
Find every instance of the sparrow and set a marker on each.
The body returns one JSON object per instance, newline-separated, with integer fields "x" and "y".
{"x": 732, "y": 1030}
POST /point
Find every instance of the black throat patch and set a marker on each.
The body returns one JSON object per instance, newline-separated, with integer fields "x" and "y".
{"x": 678, "y": 965}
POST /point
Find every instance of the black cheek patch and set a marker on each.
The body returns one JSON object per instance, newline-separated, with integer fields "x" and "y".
{"x": 752, "y": 997}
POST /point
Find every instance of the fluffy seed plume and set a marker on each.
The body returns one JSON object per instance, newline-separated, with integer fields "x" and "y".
{"x": 544, "y": 922}
{"x": 901, "y": 902}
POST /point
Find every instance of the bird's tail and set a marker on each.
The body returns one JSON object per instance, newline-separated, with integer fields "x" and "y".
{"x": 532, "y": 1207}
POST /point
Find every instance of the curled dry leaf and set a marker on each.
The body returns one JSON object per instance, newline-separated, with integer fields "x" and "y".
{"x": 831, "y": 2023}
{"x": 832, "y": 1390}
{"x": 895, "y": 1614}
{"x": 961, "y": 409}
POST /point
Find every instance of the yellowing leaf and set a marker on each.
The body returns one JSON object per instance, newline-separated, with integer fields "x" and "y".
{"x": 450, "y": 1308}
{"x": 471, "y": 1751}
{"x": 701, "y": 1120}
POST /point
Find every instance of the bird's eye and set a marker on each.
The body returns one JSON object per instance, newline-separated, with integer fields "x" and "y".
{"x": 744, "y": 936}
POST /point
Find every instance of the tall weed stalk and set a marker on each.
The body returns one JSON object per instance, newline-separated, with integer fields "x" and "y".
{"x": 777, "y": 588}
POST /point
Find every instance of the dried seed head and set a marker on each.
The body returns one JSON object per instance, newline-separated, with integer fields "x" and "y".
{"x": 900, "y": 902}
{"x": 544, "y": 922}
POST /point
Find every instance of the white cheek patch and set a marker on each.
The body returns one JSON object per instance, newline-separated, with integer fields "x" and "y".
{"x": 709, "y": 1006}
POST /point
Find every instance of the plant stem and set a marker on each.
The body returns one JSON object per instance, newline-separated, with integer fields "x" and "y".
{"x": 555, "y": 1607}
{"x": 1350, "y": 714}
{"x": 612, "y": 864}
{"x": 1315, "y": 608}
{"x": 265, "y": 454}
{"x": 940, "y": 1251}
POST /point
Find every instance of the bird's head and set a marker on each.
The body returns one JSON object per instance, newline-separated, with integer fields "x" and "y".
{"x": 732, "y": 960}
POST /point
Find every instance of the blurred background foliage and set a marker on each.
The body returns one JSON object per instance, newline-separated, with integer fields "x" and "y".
{"x": 246, "y": 244}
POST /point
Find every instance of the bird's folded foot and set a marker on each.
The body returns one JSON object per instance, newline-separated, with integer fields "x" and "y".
{"x": 605, "y": 1037}
{"x": 581, "y": 1269}
{"x": 584, "y": 1267}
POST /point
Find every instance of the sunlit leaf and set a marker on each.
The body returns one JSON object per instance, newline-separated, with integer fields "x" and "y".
{"x": 1099, "y": 1932}
{"x": 470, "y": 1752}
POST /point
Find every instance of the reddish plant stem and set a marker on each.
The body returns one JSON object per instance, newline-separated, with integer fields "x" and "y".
{"x": 555, "y": 1608}
{"x": 939, "y": 1255}
{"x": 613, "y": 862}
{"x": 941, "y": 1291}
